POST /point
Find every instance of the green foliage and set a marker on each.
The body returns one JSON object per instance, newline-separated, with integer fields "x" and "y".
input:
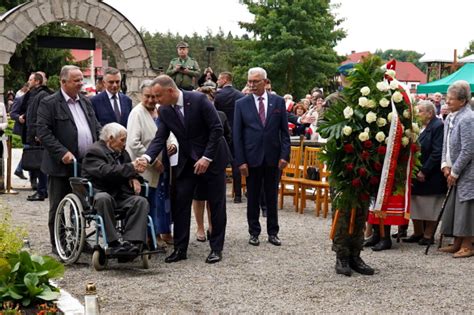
{"x": 402, "y": 55}
{"x": 16, "y": 139}
{"x": 25, "y": 278}
{"x": 11, "y": 238}
{"x": 469, "y": 50}
{"x": 357, "y": 127}
{"x": 29, "y": 58}
{"x": 294, "y": 41}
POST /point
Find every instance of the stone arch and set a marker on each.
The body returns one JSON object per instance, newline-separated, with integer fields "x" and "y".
{"x": 107, "y": 24}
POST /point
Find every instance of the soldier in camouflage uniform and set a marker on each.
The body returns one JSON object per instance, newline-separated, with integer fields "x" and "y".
{"x": 184, "y": 70}
{"x": 346, "y": 246}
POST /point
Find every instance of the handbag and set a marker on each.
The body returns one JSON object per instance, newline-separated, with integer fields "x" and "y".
{"x": 312, "y": 173}
{"x": 32, "y": 158}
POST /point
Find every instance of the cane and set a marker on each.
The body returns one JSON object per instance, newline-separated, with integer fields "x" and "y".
{"x": 439, "y": 219}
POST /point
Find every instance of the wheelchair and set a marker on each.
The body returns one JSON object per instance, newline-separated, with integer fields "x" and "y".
{"x": 76, "y": 221}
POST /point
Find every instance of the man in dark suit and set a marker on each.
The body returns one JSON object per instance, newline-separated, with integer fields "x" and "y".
{"x": 111, "y": 105}
{"x": 203, "y": 156}
{"x": 262, "y": 149}
{"x": 225, "y": 102}
{"x": 66, "y": 126}
{"x": 108, "y": 166}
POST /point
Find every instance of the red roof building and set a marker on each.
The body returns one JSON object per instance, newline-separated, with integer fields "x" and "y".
{"x": 82, "y": 55}
{"x": 355, "y": 57}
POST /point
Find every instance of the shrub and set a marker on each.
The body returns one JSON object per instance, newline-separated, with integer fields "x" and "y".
{"x": 11, "y": 238}
{"x": 16, "y": 139}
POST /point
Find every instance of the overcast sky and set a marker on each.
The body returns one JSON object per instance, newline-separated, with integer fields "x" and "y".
{"x": 426, "y": 26}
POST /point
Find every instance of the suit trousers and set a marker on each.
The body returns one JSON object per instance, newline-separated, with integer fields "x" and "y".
{"x": 58, "y": 187}
{"x": 236, "y": 180}
{"x": 135, "y": 209}
{"x": 186, "y": 184}
{"x": 266, "y": 178}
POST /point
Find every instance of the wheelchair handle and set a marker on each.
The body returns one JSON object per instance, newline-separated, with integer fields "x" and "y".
{"x": 74, "y": 161}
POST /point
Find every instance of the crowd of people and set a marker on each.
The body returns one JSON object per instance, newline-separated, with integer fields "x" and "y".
{"x": 189, "y": 126}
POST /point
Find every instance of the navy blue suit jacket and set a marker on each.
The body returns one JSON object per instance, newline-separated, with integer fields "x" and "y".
{"x": 254, "y": 143}
{"x": 225, "y": 101}
{"x": 201, "y": 134}
{"x": 104, "y": 109}
{"x": 431, "y": 142}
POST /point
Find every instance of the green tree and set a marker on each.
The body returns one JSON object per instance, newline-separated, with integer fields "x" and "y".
{"x": 469, "y": 50}
{"x": 402, "y": 55}
{"x": 293, "y": 40}
{"x": 6, "y": 5}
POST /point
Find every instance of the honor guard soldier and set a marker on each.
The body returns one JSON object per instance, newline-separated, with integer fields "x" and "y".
{"x": 183, "y": 69}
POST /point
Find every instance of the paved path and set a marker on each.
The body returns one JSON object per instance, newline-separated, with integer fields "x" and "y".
{"x": 295, "y": 278}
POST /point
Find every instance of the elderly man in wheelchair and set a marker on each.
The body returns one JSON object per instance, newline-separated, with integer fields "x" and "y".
{"x": 117, "y": 187}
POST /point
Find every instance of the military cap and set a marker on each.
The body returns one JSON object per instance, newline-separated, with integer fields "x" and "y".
{"x": 345, "y": 69}
{"x": 182, "y": 45}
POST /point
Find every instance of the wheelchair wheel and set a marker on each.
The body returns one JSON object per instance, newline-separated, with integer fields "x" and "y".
{"x": 146, "y": 261}
{"x": 99, "y": 260}
{"x": 69, "y": 229}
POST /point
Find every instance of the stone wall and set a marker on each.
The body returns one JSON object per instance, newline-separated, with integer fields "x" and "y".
{"x": 107, "y": 24}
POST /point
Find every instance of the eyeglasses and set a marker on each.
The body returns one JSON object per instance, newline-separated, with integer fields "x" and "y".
{"x": 254, "y": 82}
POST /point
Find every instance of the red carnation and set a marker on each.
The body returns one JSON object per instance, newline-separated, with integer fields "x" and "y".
{"x": 365, "y": 155}
{"x": 414, "y": 147}
{"x": 367, "y": 144}
{"x": 362, "y": 172}
{"x": 356, "y": 182}
{"x": 349, "y": 167}
{"x": 382, "y": 150}
{"x": 378, "y": 166}
{"x": 309, "y": 131}
{"x": 374, "y": 180}
{"x": 364, "y": 197}
{"x": 348, "y": 148}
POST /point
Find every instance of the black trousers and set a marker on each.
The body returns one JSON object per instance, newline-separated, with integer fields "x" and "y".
{"x": 186, "y": 184}
{"x": 58, "y": 188}
{"x": 236, "y": 180}
{"x": 266, "y": 178}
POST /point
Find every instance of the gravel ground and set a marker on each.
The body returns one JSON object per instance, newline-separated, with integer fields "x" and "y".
{"x": 297, "y": 277}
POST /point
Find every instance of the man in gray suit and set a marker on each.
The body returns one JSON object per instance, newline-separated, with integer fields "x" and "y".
{"x": 66, "y": 126}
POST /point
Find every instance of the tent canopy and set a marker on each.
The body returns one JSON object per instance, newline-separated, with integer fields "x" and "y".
{"x": 465, "y": 73}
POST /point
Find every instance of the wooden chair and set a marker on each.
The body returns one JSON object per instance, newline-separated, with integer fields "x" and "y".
{"x": 321, "y": 186}
{"x": 228, "y": 172}
{"x": 291, "y": 176}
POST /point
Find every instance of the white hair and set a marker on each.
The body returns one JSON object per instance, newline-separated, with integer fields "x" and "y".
{"x": 288, "y": 96}
{"x": 112, "y": 130}
{"x": 258, "y": 70}
{"x": 428, "y": 106}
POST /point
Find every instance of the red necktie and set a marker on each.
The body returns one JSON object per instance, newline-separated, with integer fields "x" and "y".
{"x": 261, "y": 110}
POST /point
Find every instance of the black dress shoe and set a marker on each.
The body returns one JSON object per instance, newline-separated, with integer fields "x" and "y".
{"x": 425, "y": 241}
{"x": 273, "y": 239}
{"x": 400, "y": 234}
{"x": 20, "y": 174}
{"x": 36, "y": 197}
{"x": 412, "y": 239}
{"x": 371, "y": 241}
{"x": 384, "y": 244}
{"x": 238, "y": 199}
{"x": 177, "y": 255}
{"x": 358, "y": 265}
{"x": 254, "y": 240}
{"x": 214, "y": 256}
{"x": 342, "y": 266}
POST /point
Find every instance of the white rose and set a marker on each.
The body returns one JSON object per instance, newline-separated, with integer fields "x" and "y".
{"x": 414, "y": 137}
{"x": 347, "y": 130}
{"x": 380, "y": 136}
{"x": 371, "y": 104}
{"x": 370, "y": 117}
{"x": 415, "y": 128}
{"x": 394, "y": 84}
{"x": 406, "y": 113}
{"x": 367, "y": 129}
{"x": 382, "y": 86}
{"x": 363, "y": 101}
{"x": 365, "y": 91}
{"x": 363, "y": 136}
{"x": 384, "y": 102}
{"x": 405, "y": 141}
{"x": 381, "y": 122}
{"x": 348, "y": 112}
{"x": 397, "y": 97}
{"x": 408, "y": 133}
{"x": 391, "y": 73}
{"x": 389, "y": 117}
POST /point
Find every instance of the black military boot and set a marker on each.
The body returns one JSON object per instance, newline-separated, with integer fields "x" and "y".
{"x": 385, "y": 242}
{"x": 342, "y": 266}
{"x": 358, "y": 265}
{"x": 374, "y": 239}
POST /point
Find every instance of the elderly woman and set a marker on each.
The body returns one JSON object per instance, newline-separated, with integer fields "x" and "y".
{"x": 457, "y": 166}
{"x": 142, "y": 125}
{"x": 429, "y": 187}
